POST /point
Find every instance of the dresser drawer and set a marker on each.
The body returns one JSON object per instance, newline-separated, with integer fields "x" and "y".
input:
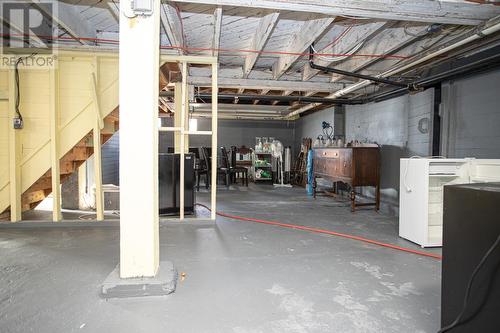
{"x": 327, "y": 153}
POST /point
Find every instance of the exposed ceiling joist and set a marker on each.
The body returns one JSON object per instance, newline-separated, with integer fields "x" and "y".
{"x": 114, "y": 10}
{"x": 346, "y": 45}
{"x": 217, "y": 29}
{"x": 262, "y": 92}
{"x": 308, "y": 33}
{"x": 205, "y": 81}
{"x": 284, "y": 93}
{"x": 172, "y": 25}
{"x": 17, "y": 28}
{"x": 431, "y": 11}
{"x": 264, "y": 30}
{"x": 68, "y": 18}
{"x": 388, "y": 42}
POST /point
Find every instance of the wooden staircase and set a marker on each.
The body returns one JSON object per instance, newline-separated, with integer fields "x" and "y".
{"x": 69, "y": 163}
{"x": 81, "y": 91}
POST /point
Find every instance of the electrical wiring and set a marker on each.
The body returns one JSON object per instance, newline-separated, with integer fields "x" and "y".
{"x": 327, "y": 232}
{"x": 339, "y": 37}
{"x": 220, "y": 50}
{"x": 348, "y": 54}
{"x": 459, "y": 319}
{"x": 18, "y": 90}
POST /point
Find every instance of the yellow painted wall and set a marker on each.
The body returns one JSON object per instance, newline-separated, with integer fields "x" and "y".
{"x": 77, "y": 112}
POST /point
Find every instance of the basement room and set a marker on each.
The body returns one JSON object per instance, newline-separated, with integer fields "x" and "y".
{"x": 249, "y": 166}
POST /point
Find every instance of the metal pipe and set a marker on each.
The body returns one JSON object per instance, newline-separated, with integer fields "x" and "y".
{"x": 479, "y": 65}
{"x": 245, "y": 97}
{"x": 489, "y": 28}
{"x": 352, "y": 74}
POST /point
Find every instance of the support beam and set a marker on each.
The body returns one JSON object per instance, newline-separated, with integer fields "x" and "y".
{"x": 139, "y": 228}
{"x": 172, "y": 25}
{"x": 308, "y": 33}
{"x": 255, "y": 84}
{"x": 217, "y": 29}
{"x": 68, "y": 18}
{"x": 346, "y": 45}
{"x": 264, "y": 30}
{"x": 446, "y": 12}
{"x": 183, "y": 113}
{"x": 54, "y": 145}
{"x": 177, "y": 119}
{"x": 14, "y": 155}
{"x": 215, "y": 124}
{"x": 96, "y": 136}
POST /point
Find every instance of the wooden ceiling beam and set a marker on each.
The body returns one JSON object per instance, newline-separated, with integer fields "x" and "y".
{"x": 262, "y": 84}
{"x": 300, "y": 42}
{"x": 351, "y": 40}
{"x": 172, "y": 26}
{"x": 69, "y": 19}
{"x": 430, "y": 11}
{"x": 264, "y": 30}
{"x": 217, "y": 28}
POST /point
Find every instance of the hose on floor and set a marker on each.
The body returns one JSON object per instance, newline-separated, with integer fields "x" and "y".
{"x": 327, "y": 232}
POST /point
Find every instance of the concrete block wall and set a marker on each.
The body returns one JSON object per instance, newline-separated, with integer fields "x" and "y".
{"x": 471, "y": 117}
{"x": 236, "y": 133}
{"x": 394, "y": 125}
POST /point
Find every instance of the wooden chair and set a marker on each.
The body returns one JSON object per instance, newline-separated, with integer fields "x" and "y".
{"x": 203, "y": 168}
{"x": 231, "y": 172}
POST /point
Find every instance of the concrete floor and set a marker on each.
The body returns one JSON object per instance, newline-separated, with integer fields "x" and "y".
{"x": 241, "y": 277}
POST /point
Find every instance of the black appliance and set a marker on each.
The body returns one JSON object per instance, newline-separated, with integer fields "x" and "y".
{"x": 169, "y": 177}
{"x": 471, "y": 225}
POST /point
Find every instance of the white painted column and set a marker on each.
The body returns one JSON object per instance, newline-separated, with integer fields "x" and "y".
{"x": 139, "y": 74}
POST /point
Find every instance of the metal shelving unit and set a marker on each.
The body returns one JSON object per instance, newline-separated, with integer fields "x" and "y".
{"x": 262, "y": 156}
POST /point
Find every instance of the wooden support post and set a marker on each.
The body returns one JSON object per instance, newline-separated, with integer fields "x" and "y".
{"x": 178, "y": 100}
{"x": 54, "y": 145}
{"x": 99, "y": 199}
{"x": 14, "y": 155}
{"x": 139, "y": 228}
{"x": 96, "y": 136}
{"x": 213, "y": 190}
{"x": 183, "y": 136}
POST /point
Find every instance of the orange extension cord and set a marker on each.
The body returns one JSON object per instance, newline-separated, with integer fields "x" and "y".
{"x": 327, "y": 232}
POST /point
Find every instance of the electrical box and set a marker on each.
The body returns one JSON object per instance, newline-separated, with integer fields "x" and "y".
{"x": 17, "y": 123}
{"x": 142, "y": 7}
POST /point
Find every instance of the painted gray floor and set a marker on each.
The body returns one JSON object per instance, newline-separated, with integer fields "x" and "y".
{"x": 241, "y": 277}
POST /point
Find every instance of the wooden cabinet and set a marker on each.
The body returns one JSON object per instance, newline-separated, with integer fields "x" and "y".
{"x": 356, "y": 166}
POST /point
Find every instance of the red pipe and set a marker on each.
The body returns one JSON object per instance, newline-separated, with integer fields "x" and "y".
{"x": 328, "y": 232}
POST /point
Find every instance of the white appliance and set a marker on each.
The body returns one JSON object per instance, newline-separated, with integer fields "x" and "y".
{"x": 277, "y": 151}
{"x": 421, "y": 192}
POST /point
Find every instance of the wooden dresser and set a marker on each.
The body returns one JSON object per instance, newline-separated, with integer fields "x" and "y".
{"x": 356, "y": 166}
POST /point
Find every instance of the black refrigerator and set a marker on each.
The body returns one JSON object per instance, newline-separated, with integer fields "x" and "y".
{"x": 471, "y": 225}
{"x": 169, "y": 178}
